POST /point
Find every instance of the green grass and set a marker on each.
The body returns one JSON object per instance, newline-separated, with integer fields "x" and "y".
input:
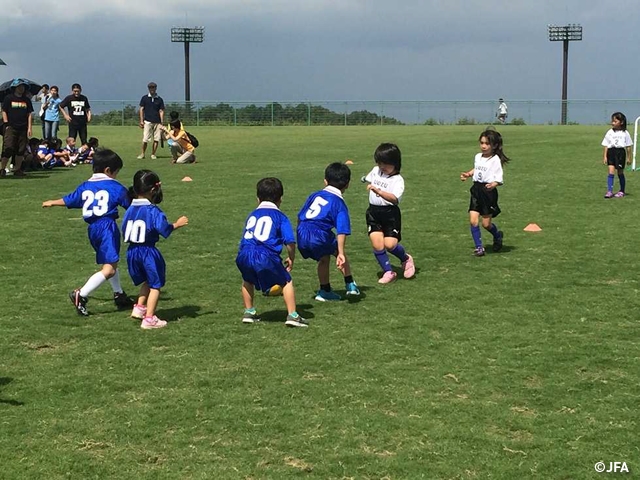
{"x": 523, "y": 364}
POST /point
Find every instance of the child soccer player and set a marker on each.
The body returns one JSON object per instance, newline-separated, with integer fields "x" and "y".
{"x": 384, "y": 220}
{"x": 266, "y": 230}
{"x": 617, "y": 150}
{"x": 322, "y": 212}
{"x": 99, "y": 198}
{"x": 143, "y": 224}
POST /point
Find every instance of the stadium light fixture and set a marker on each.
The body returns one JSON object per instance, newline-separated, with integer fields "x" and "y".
{"x": 564, "y": 34}
{"x": 187, "y": 36}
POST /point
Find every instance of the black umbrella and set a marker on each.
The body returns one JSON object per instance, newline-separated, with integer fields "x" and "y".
{"x": 30, "y": 86}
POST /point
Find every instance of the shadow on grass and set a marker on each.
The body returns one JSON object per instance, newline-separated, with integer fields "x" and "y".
{"x": 175, "y": 314}
{"x": 280, "y": 316}
{"x": 15, "y": 403}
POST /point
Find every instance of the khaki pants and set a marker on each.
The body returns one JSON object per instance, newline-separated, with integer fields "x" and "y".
{"x": 180, "y": 155}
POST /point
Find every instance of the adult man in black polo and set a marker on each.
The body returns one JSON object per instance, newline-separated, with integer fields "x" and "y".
{"x": 79, "y": 112}
{"x": 16, "y": 114}
{"x": 151, "y": 119}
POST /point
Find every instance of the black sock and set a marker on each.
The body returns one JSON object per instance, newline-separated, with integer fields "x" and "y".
{"x": 326, "y": 287}
{"x": 348, "y": 279}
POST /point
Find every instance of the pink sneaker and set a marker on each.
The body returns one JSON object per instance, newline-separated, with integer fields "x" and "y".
{"x": 388, "y": 277}
{"x": 139, "y": 311}
{"x": 620, "y": 194}
{"x": 149, "y": 323}
{"x": 409, "y": 267}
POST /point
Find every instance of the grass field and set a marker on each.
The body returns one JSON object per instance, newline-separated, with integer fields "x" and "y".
{"x": 522, "y": 364}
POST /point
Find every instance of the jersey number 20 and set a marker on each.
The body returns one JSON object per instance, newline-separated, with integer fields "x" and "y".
{"x": 258, "y": 228}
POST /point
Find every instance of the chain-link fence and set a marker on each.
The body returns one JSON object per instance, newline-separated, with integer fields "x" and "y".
{"x": 446, "y": 112}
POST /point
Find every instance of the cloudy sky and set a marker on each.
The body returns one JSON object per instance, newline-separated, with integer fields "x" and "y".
{"x": 305, "y": 50}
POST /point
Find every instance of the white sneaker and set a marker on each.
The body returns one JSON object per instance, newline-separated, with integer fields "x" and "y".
{"x": 140, "y": 157}
{"x": 153, "y": 157}
{"x": 152, "y": 322}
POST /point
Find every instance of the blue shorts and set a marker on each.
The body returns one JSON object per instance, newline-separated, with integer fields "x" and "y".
{"x": 262, "y": 268}
{"x": 146, "y": 265}
{"x": 105, "y": 240}
{"x": 316, "y": 243}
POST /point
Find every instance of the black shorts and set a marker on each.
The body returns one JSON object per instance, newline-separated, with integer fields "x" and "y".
{"x": 14, "y": 142}
{"x": 617, "y": 157}
{"x": 386, "y": 219}
{"x": 484, "y": 201}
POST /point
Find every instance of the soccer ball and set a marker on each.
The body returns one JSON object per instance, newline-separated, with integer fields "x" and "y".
{"x": 274, "y": 291}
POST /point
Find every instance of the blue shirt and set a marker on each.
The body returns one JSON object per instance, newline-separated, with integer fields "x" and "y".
{"x": 52, "y": 113}
{"x": 267, "y": 226}
{"x": 143, "y": 223}
{"x": 99, "y": 197}
{"x": 326, "y": 210}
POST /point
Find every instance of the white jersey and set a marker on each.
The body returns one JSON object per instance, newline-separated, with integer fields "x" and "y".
{"x": 617, "y": 139}
{"x": 487, "y": 170}
{"x": 393, "y": 184}
{"x": 502, "y": 109}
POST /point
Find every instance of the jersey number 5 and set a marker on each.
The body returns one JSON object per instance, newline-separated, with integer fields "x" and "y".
{"x": 316, "y": 207}
{"x": 95, "y": 203}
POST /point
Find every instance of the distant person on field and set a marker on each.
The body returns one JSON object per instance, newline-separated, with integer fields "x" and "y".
{"x": 617, "y": 151}
{"x": 16, "y": 115}
{"x": 151, "y": 119}
{"x": 43, "y": 97}
{"x": 99, "y": 198}
{"x": 323, "y": 212}
{"x": 52, "y": 114}
{"x": 384, "y": 220}
{"x": 143, "y": 223}
{"x": 79, "y": 112}
{"x": 502, "y": 111}
{"x": 182, "y": 151}
{"x": 487, "y": 174}
{"x": 266, "y": 230}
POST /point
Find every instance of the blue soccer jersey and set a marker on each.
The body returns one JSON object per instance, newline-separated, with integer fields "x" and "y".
{"x": 142, "y": 225}
{"x": 99, "y": 197}
{"x": 266, "y": 230}
{"x": 267, "y": 226}
{"x": 326, "y": 210}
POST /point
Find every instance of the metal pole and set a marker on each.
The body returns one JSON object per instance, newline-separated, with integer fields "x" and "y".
{"x": 565, "y": 62}
{"x": 187, "y": 86}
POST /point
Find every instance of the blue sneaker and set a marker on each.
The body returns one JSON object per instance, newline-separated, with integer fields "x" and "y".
{"x": 324, "y": 296}
{"x": 352, "y": 289}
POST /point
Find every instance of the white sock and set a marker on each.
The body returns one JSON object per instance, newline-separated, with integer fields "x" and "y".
{"x": 115, "y": 282}
{"x": 93, "y": 283}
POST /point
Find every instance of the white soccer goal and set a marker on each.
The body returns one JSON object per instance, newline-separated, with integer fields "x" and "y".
{"x": 635, "y": 141}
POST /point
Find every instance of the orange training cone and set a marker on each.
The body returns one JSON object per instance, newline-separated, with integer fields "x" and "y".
{"x": 349, "y": 162}
{"x": 187, "y": 179}
{"x": 532, "y": 227}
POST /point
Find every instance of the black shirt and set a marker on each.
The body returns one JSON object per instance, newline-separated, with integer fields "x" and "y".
{"x": 77, "y": 108}
{"x": 18, "y": 110}
{"x": 152, "y": 107}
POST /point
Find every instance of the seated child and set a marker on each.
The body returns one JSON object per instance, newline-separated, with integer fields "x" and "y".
{"x": 86, "y": 151}
{"x": 45, "y": 154}
{"x": 72, "y": 149}
{"x": 61, "y": 155}
{"x": 266, "y": 230}
{"x": 31, "y": 160}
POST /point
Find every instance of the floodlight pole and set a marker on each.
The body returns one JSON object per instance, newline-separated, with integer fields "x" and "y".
{"x": 187, "y": 35}
{"x": 565, "y": 34}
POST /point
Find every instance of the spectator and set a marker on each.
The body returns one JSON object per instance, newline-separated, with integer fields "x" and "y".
{"x": 51, "y": 114}
{"x": 16, "y": 114}
{"x": 79, "y": 112}
{"x": 502, "y": 111}
{"x": 151, "y": 118}
{"x": 182, "y": 150}
{"x": 43, "y": 97}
